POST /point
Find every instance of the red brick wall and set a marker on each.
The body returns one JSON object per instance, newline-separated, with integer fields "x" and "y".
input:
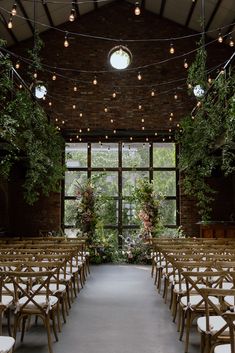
{"x": 117, "y": 21}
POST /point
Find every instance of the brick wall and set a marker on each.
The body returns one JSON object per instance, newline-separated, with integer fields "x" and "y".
{"x": 117, "y": 21}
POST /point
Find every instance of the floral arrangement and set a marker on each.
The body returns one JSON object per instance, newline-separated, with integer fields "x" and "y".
{"x": 86, "y": 217}
{"x": 148, "y": 207}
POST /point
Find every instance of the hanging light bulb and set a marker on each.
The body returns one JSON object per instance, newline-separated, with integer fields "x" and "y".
{"x": 185, "y": 64}
{"x": 152, "y": 93}
{"x": 53, "y": 77}
{"x": 137, "y": 9}
{"x": 95, "y": 81}
{"x": 88, "y": 129}
{"x": 80, "y": 115}
{"x": 114, "y": 131}
{"x": 111, "y": 121}
{"x": 72, "y": 15}
{"x": 175, "y": 96}
{"x": 10, "y": 24}
{"x": 35, "y": 75}
{"x": 66, "y": 42}
{"x": 139, "y": 76}
{"x": 220, "y": 37}
{"x": 209, "y": 80}
{"x": 114, "y": 94}
{"x": 74, "y": 106}
{"x": 142, "y": 120}
{"x": 75, "y": 88}
{"x": 105, "y": 109}
{"x": 139, "y": 106}
{"x": 17, "y": 64}
{"x": 13, "y": 10}
{"x": 231, "y": 41}
{"x": 172, "y": 49}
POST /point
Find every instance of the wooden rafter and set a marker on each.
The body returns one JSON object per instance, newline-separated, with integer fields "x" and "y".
{"x": 76, "y": 8}
{"x": 25, "y": 15}
{"x": 190, "y": 13}
{"x": 163, "y": 4}
{"x": 48, "y": 13}
{"x": 216, "y": 8}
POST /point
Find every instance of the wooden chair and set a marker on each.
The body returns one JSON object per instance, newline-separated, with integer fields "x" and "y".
{"x": 6, "y": 344}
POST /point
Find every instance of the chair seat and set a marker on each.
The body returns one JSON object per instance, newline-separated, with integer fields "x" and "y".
{"x": 223, "y": 348}
{"x": 6, "y": 300}
{"x": 10, "y": 286}
{"x": 184, "y": 288}
{"x": 6, "y": 344}
{"x": 40, "y": 300}
{"x": 65, "y": 278}
{"x": 229, "y": 299}
{"x": 215, "y": 322}
{"x": 52, "y": 287}
{"x": 195, "y": 300}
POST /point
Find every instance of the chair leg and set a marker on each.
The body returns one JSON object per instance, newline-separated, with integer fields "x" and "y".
{"x": 188, "y": 326}
{"x": 58, "y": 316}
{"x": 48, "y": 328}
{"x": 182, "y": 324}
{"x": 23, "y": 328}
{"x": 63, "y": 304}
{"x": 54, "y": 324}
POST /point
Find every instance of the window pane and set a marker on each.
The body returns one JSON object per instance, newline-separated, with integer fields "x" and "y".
{"x": 165, "y": 182}
{"x": 129, "y": 180}
{"x": 72, "y": 179}
{"x": 108, "y": 211}
{"x": 164, "y": 155}
{"x": 70, "y": 210}
{"x": 135, "y": 155}
{"x": 106, "y": 182}
{"x": 129, "y": 216}
{"x": 76, "y": 155}
{"x": 104, "y": 156}
{"x": 168, "y": 211}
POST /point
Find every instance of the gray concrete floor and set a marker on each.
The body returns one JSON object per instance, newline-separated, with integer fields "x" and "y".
{"x": 118, "y": 311}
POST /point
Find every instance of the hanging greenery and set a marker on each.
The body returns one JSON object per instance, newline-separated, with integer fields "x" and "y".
{"x": 29, "y": 138}
{"x": 197, "y": 70}
{"x": 206, "y": 140}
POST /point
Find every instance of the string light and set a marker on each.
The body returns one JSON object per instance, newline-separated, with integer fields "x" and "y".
{"x": 53, "y": 77}
{"x": 80, "y": 139}
{"x": 75, "y": 88}
{"x": 142, "y": 120}
{"x": 10, "y": 23}
{"x": 172, "y": 49}
{"x": 35, "y": 75}
{"x": 189, "y": 86}
{"x": 66, "y": 42}
{"x": 143, "y": 128}
{"x": 209, "y": 80}
{"x": 50, "y": 104}
{"x": 137, "y": 9}
{"x": 111, "y": 121}
{"x": 114, "y": 131}
{"x": 20, "y": 86}
{"x": 63, "y": 122}
{"x": 152, "y": 93}
{"x": 80, "y": 130}
{"x": 95, "y": 81}
{"x": 88, "y": 129}
{"x": 13, "y": 10}
{"x": 114, "y": 94}
{"x": 139, "y": 106}
{"x": 72, "y": 14}
{"x": 80, "y": 115}
{"x": 106, "y": 137}
{"x": 146, "y": 139}
{"x": 74, "y": 106}
{"x": 139, "y": 76}
{"x": 77, "y": 137}
{"x": 185, "y": 64}
{"x": 17, "y": 64}
{"x": 231, "y": 41}
{"x": 175, "y": 96}
{"x": 105, "y": 109}
{"x": 155, "y": 133}
{"x": 220, "y": 37}
{"x": 131, "y": 138}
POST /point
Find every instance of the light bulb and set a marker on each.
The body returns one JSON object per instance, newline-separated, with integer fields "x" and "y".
{"x": 220, "y": 38}
{"x": 88, "y": 129}
{"x": 137, "y": 9}
{"x": 142, "y": 120}
{"x": 80, "y": 115}
{"x": 139, "y": 106}
{"x": 75, "y": 88}
{"x": 105, "y": 109}
{"x": 50, "y": 104}
{"x": 111, "y": 121}
{"x": 17, "y": 65}
{"x": 185, "y": 64}
{"x": 172, "y": 49}
{"x": 54, "y": 77}
{"x": 139, "y": 76}
{"x": 231, "y": 42}
{"x": 209, "y": 80}
{"x": 72, "y": 15}
{"x": 66, "y": 42}
{"x": 175, "y": 96}
{"x": 152, "y": 93}
{"x": 13, "y": 11}
{"x": 131, "y": 138}
{"x": 142, "y": 127}
{"x": 10, "y": 24}
{"x": 114, "y": 131}
{"x": 114, "y": 94}
{"x": 106, "y": 137}
{"x": 95, "y": 81}
{"x": 35, "y": 75}
{"x": 74, "y": 106}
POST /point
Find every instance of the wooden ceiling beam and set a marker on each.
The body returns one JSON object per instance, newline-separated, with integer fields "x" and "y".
{"x": 76, "y": 8}
{"x": 95, "y": 4}
{"x": 10, "y": 31}
{"x": 190, "y": 14}
{"x": 216, "y": 8}
{"x": 48, "y": 13}
{"x": 163, "y": 4}
{"x": 230, "y": 28}
{"x": 22, "y": 9}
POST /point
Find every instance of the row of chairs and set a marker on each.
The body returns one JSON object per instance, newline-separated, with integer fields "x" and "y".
{"x": 40, "y": 277}
{"x": 199, "y": 274}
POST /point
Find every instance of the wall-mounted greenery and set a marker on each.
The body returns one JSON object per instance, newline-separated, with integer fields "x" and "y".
{"x": 28, "y": 137}
{"x": 207, "y": 141}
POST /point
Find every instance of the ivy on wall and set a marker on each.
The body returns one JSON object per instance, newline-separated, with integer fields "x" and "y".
{"x": 27, "y": 137}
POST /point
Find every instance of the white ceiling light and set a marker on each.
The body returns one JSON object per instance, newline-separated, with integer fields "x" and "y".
{"x": 40, "y": 91}
{"x": 119, "y": 57}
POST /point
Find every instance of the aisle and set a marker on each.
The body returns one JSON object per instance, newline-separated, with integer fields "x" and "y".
{"x": 118, "y": 311}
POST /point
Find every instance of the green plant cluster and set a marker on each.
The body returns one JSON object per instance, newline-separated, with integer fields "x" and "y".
{"x": 27, "y": 137}
{"x": 148, "y": 207}
{"x": 197, "y": 70}
{"x": 206, "y": 140}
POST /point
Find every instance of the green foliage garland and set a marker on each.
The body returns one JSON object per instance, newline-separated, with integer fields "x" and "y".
{"x": 28, "y": 137}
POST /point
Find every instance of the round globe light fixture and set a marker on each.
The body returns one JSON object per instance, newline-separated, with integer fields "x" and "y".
{"x": 120, "y": 57}
{"x": 198, "y": 91}
{"x": 40, "y": 91}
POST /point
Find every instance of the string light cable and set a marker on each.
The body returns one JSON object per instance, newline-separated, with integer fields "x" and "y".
{"x": 120, "y": 40}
